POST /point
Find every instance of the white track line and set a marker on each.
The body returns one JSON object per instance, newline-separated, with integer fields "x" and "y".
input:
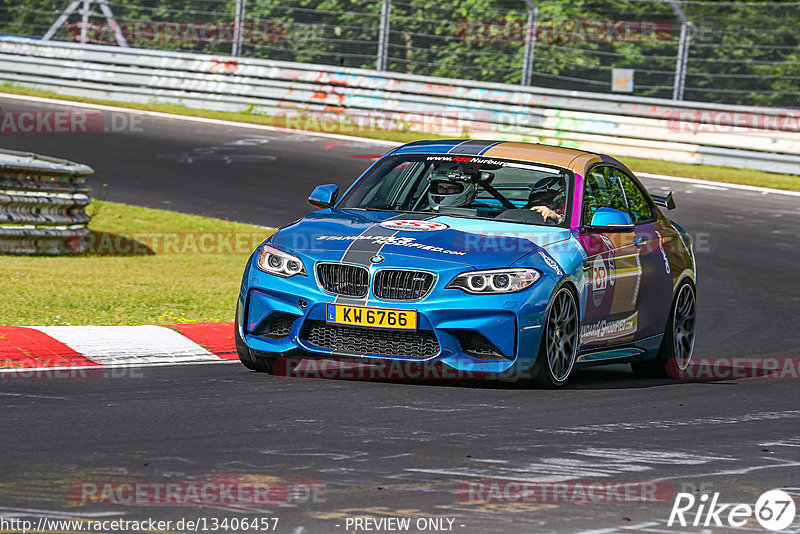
{"x": 261, "y": 127}
{"x": 93, "y": 369}
{"x": 719, "y": 185}
{"x": 204, "y": 120}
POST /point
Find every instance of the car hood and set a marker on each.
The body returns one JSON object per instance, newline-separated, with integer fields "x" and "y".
{"x": 356, "y": 236}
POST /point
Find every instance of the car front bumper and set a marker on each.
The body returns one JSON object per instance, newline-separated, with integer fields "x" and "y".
{"x": 471, "y": 333}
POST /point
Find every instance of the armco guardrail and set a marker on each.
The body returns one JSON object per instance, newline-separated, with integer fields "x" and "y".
{"x": 691, "y": 132}
{"x": 42, "y": 201}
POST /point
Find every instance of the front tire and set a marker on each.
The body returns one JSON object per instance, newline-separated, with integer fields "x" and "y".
{"x": 677, "y": 346}
{"x": 255, "y": 361}
{"x": 559, "y": 345}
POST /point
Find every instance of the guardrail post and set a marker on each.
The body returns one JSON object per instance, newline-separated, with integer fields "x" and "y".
{"x": 383, "y": 34}
{"x": 85, "y": 21}
{"x": 237, "y": 28}
{"x": 683, "y": 61}
{"x": 530, "y": 41}
{"x": 683, "y": 51}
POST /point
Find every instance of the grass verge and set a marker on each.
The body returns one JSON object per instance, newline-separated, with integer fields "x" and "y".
{"x": 178, "y": 276}
{"x": 704, "y": 172}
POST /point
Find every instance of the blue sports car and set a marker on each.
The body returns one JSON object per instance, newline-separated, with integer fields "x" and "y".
{"x": 492, "y": 258}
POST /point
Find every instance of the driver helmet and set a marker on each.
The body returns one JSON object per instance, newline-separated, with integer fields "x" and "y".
{"x": 449, "y": 188}
{"x": 542, "y": 193}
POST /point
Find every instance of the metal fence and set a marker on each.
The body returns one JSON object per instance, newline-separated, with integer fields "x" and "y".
{"x": 42, "y": 201}
{"x": 741, "y": 53}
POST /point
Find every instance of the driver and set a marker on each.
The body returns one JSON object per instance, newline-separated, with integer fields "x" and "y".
{"x": 549, "y": 203}
{"x": 449, "y": 189}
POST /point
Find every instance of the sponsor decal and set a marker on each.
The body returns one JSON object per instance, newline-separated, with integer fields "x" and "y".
{"x": 413, "y": 226}
{"x": 607, "y": 241}
{"x": 666, "y": 260}
{"x": 469, "y": 159}
{"x": 663, "y": 252}
{"x": 638, "y": 281}
{"x": 408, "y": 242}
{"x": 609, "y": 329}
{"x": 551, "y": 263}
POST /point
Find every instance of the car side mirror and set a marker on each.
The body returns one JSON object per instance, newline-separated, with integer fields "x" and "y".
{"x": 324, "y": 196}
{"x": 611, "y": 220}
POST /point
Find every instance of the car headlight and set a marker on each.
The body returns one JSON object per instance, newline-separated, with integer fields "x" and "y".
{"x": 274, "y": 261}
{"x": 495, "y": 281}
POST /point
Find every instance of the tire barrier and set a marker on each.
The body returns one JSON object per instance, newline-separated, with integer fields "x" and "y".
{"x": 42, "y": 204}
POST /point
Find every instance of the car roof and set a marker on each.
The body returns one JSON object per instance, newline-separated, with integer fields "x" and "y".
{"x": 569, "y": 158}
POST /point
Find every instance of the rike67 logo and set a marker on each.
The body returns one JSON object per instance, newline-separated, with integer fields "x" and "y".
{"x": 774, "y": 510}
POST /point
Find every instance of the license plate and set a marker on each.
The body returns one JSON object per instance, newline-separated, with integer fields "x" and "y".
{"x": 377, "y": 317}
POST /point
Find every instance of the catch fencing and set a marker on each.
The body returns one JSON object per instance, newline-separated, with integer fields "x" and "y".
{"x": 735, "y": 136}
{"x": 726, "y": 52}
{"x": 42, "y": 204}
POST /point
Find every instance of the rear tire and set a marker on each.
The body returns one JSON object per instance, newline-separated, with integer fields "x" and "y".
{"x": 676, "y": 349}
{"x": 261, "y": 362}
{"x": 559, "y": 345}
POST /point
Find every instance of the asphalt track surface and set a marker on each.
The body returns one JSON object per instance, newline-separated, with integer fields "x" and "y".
{"x": 392, "y": 449}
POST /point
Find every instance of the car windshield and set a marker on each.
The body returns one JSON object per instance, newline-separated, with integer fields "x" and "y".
{"x": 465, "y": 186}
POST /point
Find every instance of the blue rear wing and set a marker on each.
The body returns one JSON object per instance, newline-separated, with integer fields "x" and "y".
{"x": 665, "y": 200}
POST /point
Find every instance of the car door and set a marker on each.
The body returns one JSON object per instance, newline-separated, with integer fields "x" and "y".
{"x": 654, "y": 286}
{"x": 612, "y": 266}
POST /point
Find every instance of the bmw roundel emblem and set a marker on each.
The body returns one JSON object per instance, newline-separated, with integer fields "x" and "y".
{"x": 376, "y": 259}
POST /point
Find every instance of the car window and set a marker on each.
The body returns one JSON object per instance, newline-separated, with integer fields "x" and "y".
{"x": 639, "y": 207}
{"x": 602, "y": 190}
{"x": 466, "y": 186}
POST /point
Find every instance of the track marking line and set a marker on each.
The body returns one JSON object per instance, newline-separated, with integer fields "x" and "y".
{"x": 707, "y": 184}
{"x": 32, "y": 396}
{"x": 217, "y": 122}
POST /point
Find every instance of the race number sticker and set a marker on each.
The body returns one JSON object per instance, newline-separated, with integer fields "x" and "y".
{"x": 600, "y": 280}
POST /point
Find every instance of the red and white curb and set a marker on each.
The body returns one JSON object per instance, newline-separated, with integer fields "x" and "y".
{"x": 25, "y": 348}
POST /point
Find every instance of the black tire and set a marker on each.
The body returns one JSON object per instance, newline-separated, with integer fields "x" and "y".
{"x": 676, "y": 349}
{"x": 255, "y": 361}
{"x": 558, "y": 348}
